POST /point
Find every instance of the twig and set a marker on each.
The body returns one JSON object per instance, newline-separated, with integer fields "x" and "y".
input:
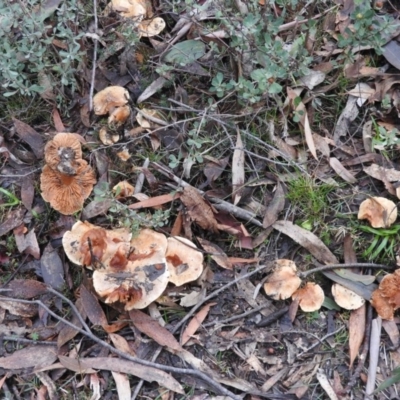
{"x": 218, "y": 387}
{"x": 349, "y": 265}
{"x": 94, "y": 56}
{"x": 24, "y": 340}
{"x": 140, "y": 179}
{"x": 272, "y": 317}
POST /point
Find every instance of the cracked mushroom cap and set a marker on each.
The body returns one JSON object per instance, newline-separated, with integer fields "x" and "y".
{"x": 379, "y": 211}
{"x": 283, "y": 282}
{"x": 386, "y": 299}
{"x": 346, "y": 298}
{"x": 310, "y": 297}
{"x": 86, "y": 243}
{"x": 185, "y": 262}
{"x": 105, "y": 101}
{"x": 143, "y": 279}
{"x": 67, "y": 193}
{"x": 62, "y": 152}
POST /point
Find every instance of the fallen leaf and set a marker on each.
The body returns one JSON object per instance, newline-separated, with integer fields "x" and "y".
{"x": 313, "y": 79}
{"x": 363, "y": 91}
{"x": 57, "y": 120}
{"x": 33, "y": 356}
{"x": 381, "y": 173}
{"x": 238, "y": 170}
{"x": 352, "y": 276}
{"x": 123, "y": 385}
{"x": 195, "y": 323}
{"x": 25, "y": 288}
{"x": 391, "y": 52}
{"x": 155, "y": 201}
{"x": 154, "y": 87}
{"x": 27, "y": 243}
{"x": 30, "y": 136}
{"x": 392, "y": 330}
{"x": 185, "y": 52}
{"x": 92, "y": 307}
{"x": 276, "y": 205}
{"x": 27, "y": 192}
{"x": 357, "y": 323}
{"x": 324, "y": 382}
{"x": 308, "y": 240}
{"x": 13, "y": 219}
{"x": 341, "y": 170}
{"x": 348, "y": 115}
{"x": 52, "y": 268}
{"x": 217, "y": 254}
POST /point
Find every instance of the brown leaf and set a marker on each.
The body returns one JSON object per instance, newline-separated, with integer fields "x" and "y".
{"x": 57, "y": 121}
{"x": 356, "y": 331}
{"x": 276, "y": 205}
{"x": 121, "y": 343}
{"x": 215, "y": 168}
{"x": 92, "y": 307}
{"x": 392, "y": 330}
{"x": 27, "y": 192}
{"x": 68, "y": 332}
{"x": 30, "y": 136}
{"x": 217, "y": 254}
{"x": 33, "y": 356}
{"x": 20, "y": 309}
{"x": 341, "y": 170}
{"x": 28, "y": 243}
{"x": 195, "y": 322}
{"x": 52, "y": 268}
{"x": 122, "y": 384}
{"x": 238, "y": 170}
{"x": 391, "y": 52}
{"x": 25, "y": 288}
{"x": 154, "y": 330}
{"x": 155, "y": 201}
{"x": 308, "y": 240}
{"x": 383, "y": 174}
{"x": 13, "y": 219}
{"x": 200, "y": 212}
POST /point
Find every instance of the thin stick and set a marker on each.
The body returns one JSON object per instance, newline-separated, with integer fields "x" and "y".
{"x": 218, "y": 387}
{"x": 140, "y": 179}
{"x": 349, "y": 265}
{"x": 94, "y": 61}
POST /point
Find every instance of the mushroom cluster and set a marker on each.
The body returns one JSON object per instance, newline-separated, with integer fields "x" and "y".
{"x": 66, "y": 180}
{"x": 133, "y": 271}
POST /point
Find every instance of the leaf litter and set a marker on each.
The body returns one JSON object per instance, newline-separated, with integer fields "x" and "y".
{"x": 224, "y": 144}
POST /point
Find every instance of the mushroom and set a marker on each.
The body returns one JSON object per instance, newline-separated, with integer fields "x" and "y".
{"x": 106, "y": 138}
{"x": 143, "y": 279}
{"x": 119, "y": 115}
{"x": 310, "y": 297}
{"x": 123, "y": 189}
{"x": 386, "y": 299}
{"x": 62, "y": 152}
{"x": 185, "y": 262}
{"x": 67, "y": 193}
{"x": 151, "y": 27}
{"x": 85, "y": 244}
{"x": 379, "y": 211}
{"x": 283, "y": 282}
{"x": 346, "y": 298}
{"x": 129, "y": 8}
{"x": 108, "y": 99}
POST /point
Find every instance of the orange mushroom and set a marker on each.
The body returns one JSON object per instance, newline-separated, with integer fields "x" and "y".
{"x": 283, "y": 282}
{"x": 62, "y": 152}
{"x": 67, "y": 193}
{"x": 108, "y": 99}
{"x": 379, "y": 211}
{"x": 310, "y": 297}
{"x": 346, "y": 298}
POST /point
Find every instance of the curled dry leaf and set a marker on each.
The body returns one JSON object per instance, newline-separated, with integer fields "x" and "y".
{"x": 152, "y": 27}
{"x": 283, "y": 282}
{"x": 346, "y": 298}
{"x": 386, "y": 299}
{"x": 379, "y": 211}
{"x": 310, "y": 297}
{"x": 185, "y": 262}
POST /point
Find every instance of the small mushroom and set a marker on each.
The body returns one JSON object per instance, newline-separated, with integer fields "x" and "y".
{"x": 129, "y": 8}
{"x": 310, "y": 297}
{"x": 86, "y": 244}
{"x": 62, "y": 152}
{"x": 123, "y": 189}
{"x": 119, "y": 115}
{"x": 67, "y": 193}
{"x": 346, "y": 298}
{"x": 143, "y": 279}
{"x": 386, "y": 299}
{"x": 105, "y": 101}
{"x": 379, "y": 211}
{"x": 185, "y": 262}
{"x": 283, "y": 282}
{"x": 151, "y": 27}
{"x": 106, "y": 138}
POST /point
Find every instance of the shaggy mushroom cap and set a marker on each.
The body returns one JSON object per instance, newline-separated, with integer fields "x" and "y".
{"x": 379, "y": 211}
{"x": 67, "y": 193}
{"x": 142, "y": 279}
{"x": 346, "y": 298}
{"x": 87, "y": 244}
{"x": 185, "y": 262}
{"x": 283, "y": 282}
{"x": 105, "y": 101}
{"x": 310, "y": 297}
{"x": 386, "y": 299}
{"x": 62, "y": 152}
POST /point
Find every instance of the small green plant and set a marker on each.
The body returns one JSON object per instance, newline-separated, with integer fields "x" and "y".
{"x": 383, "y": 244}
{"x": 12, "y": 200}
{"x": 384, "y": 139}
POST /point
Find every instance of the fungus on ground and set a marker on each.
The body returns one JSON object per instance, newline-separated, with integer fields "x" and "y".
{"x": 62, "y": 152}
{"x": 310, "y": 297}
{"x": 386, "y": 299}
{"x": 123, "y": 189}
{"x": 144, "y": 277}
{"x": 136, "y": 9}
{"x": 185, "y": 262}
{"x": 151, "y": 27}
{"x": 283, "y": 282}
{"x": 346, "y": 298}
{"x": 67, "y": 193}
{"x": 379, "y": 211}
{"x": 112, "y": 100}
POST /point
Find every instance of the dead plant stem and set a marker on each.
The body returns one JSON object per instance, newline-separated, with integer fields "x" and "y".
{"x": 95, "y": 41}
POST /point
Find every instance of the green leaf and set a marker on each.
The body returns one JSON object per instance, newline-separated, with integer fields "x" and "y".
{"x": 395, "y": 378}
{"x": 186, "y": 52}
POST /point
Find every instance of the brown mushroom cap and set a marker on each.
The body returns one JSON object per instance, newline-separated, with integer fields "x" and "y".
{"x": 143, "y": 279}
{"x": 119, "y": 115}
{"x": 185, "y": 262}
{"x": 123, "y": 189}
{"x": 346, "y": 298}
{"x": 386, "y": 299}
{"x": 67, "y": 193}
{"x": 379, "y": 211}
{"x": 310, "y": 297}
{"x": 283, "y": 282}
{"x": 86, "y": 241}
{"x": 62, "y": 151}
{"x": 129, "y": 8}
{"x": 108, "y": 99}
{"x": 149, "y": 28}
